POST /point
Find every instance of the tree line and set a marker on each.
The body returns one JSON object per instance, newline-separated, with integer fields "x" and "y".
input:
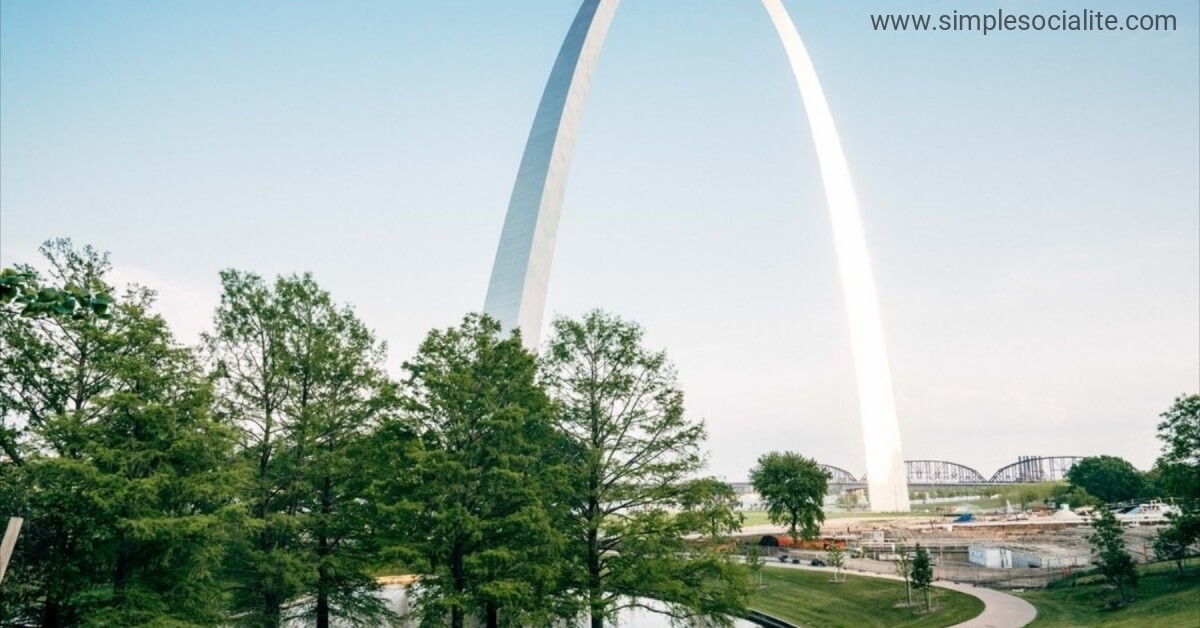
{"x": 1103, "y": 483}
{"x": 269, "y": 474}
{"x": 1175, "y": 476}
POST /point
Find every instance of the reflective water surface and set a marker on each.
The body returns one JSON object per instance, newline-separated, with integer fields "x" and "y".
{"x": 397, "y": 597}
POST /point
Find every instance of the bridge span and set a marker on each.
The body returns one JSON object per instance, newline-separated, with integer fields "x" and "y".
{"x": 927, "y": 473}
{"x": 944, "y": 473}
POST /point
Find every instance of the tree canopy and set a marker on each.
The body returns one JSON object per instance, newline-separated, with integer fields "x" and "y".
{"x": 81, "y": 296}
{"x": 112, "y": 456}
{"x": 302, "y": 380}
{"x": 1112, "y": 558}
{"x": 713, "y": 505}
{"x": 266, "y": 476}
{"x": 1178, "y": 470}
{"x": 631, "y": 450}
{"x": 491, "y": 483}
{"x": 1179, "y": 432}
{"x": 793, "y": 488}
{"x": 922, "y": 573}
{"x": 1108, "y": 478}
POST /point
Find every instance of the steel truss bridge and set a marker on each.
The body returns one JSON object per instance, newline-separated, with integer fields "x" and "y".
{"x": 946, "y": 473}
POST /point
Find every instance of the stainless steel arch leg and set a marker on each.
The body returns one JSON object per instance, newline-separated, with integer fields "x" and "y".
{"x": 521, "y": 273}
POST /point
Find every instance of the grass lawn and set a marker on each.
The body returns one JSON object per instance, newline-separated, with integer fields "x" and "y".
{"x": 1164, "y": 598}
{"x": 809, "y": 598}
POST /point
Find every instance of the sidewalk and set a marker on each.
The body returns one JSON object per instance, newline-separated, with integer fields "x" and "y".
{"x": 1000, "y": 610}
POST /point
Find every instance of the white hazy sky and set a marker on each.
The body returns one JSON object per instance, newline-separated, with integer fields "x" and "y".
{"x": 1031, "y": 201}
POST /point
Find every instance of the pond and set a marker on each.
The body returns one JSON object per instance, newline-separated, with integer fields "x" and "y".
{"x": 397, "y": 598}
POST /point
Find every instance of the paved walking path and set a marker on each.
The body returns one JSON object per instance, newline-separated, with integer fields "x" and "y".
{"x": 1000, "y": 610}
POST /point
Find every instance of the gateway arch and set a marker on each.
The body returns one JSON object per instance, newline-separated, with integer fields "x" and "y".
{"x": 516, "y": 293}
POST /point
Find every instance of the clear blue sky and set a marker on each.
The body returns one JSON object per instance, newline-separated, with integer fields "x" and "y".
{"x": 1032, "y": 201}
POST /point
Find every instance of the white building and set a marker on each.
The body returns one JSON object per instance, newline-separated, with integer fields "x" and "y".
{"x": 1006, "y": 558}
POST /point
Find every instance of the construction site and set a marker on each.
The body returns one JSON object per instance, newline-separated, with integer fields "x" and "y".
{"x": 998, "y": 548}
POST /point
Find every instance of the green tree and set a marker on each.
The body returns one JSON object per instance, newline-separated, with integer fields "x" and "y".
{"x": 21, "y": 294}
{"x": 1031, "y": 494}
{"x": 268, "y": 567}
{"x": 114, "y": 460}
{"x": 1179, "y": 466}
{"x": 1108, "y": 478}
{"x": 922, "y": 574}
{"x": 1179, "y": 432}
{"x": 303, "y": 378}
{"x": 755, "y": 562}
{"x": 158, "y": 466}
{"x": 904, "y": 565}
{"x": 341, "y": 395}
{"x": 491, "y": 483}
{"x": 848, "y": 500}
{"x": 793, "y": 488}
{"x": 714, "y": 505}
{"x": 1172, "y": 543}
{"x": 1073, "y": 496}
{"x": 837, "y": 558}
{"x": 390, "y": 459}
{"x": 1179, "y": 476}
{"x": 52, "y": 364}
{"x": 632, "y": 449}
{"x": 1113, "y": 560}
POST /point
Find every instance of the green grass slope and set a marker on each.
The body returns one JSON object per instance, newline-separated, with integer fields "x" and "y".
{"x": 809, "y": 598}
{"x": 1165, "y": 598}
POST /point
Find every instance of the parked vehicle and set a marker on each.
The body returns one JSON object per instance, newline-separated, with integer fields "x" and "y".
{"x": 817, "y": 562}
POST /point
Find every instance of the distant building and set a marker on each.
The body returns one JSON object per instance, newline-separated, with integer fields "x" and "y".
{"x": 742, "y": 488}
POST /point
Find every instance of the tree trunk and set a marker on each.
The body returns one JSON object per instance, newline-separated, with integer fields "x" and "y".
{"x": 272, "y": 604}
{"x": 324, "y": 578}
{"x": 121, "y": 575}
{"x": 594, "y": 518}
{"x": 491, "y": 615}
{"x": 322, "y": 606}
{"x": 595, "y": 594}
{"x": 272, "y": 610}
{"x": 456, "y": 568}
{"x": 50, "y": 615}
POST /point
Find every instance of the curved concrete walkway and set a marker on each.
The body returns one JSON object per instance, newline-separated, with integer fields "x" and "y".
{"x": 1000, "y": 610}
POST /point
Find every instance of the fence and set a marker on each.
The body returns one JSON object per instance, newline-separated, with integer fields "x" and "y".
{"x": 948, "y": 570}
